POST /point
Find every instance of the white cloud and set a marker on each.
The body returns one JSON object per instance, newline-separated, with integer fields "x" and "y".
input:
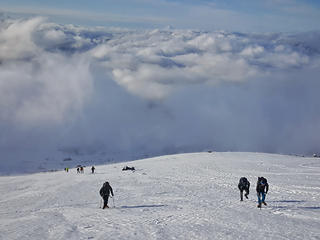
{"x": 37, "y": 86}
{"x": 44, "y": 90}
{"x": 16, "y": 39}
{"x": 158, "y": 90}
{"x": 152, "y": 64}
{"x": 253, "y": 51}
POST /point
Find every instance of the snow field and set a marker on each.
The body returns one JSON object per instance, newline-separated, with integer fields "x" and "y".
{"x": 186, "y": 196}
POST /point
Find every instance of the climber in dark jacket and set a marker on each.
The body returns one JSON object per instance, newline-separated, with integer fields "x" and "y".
{"x": 244, "y": 185}
{"x": 262, "y": 189}
{"x": 105, "y": 192}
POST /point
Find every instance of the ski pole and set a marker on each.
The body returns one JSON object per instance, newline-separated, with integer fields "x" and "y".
{"x": 113, "y": 202}
{"x": 100, "y": 203}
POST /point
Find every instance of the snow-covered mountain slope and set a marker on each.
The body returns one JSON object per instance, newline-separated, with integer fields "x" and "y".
{"x": 186, "y": 196}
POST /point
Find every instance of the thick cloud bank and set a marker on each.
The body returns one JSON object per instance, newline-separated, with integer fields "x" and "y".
{"x": 128, "y": 94}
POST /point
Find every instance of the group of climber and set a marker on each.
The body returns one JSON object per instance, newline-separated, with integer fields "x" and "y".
{"x": 244, "y": 186}
{"x": 262, "y": 189}
{"x": 80, "y": 169}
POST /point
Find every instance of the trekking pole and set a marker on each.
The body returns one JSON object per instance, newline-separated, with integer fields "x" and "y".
{"x": 113, "y": 202}
{"x": 100, "y": 203}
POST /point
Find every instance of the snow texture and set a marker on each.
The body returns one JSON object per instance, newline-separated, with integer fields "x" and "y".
{"x": 186, "y": 196}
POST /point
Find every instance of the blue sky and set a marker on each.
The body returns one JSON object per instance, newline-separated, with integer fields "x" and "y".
{"x": 232, "y": 15}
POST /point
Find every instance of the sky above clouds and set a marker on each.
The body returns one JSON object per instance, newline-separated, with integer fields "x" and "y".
{"x": 72, "y": 80}
{"x": 231, "y": 15}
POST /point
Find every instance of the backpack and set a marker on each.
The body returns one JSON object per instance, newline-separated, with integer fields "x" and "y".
{"x": 262, "y": 181}
{"x": 243, "y": 181}
{"x": 104, "y": 190}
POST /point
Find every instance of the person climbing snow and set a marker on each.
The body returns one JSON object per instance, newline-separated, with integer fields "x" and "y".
{"x": 244, "y": 185}
{"x": 92, "y": 169}
{"x": 262, "y": 189}
{"x": 105, "y": 192}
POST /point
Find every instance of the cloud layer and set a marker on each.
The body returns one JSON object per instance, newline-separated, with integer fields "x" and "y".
{"x": 156, "y": 92}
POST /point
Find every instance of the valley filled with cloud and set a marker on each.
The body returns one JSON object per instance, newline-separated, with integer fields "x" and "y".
{"x": 131, "y": 93}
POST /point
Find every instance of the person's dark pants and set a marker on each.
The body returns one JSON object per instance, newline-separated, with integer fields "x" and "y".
{"x": 105, "y": 199}
{"x": 241, "y": 193}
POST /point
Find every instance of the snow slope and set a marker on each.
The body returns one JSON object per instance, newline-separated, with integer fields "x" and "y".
{"x": 186, "y": 196}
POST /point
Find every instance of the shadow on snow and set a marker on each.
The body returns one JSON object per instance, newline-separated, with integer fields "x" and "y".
{"x": 144, "y": 206}
{"x": 288, "y": 201}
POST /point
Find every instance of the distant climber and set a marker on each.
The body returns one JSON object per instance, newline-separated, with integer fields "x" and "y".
{"x": 262, "y": 189}
{"x": 128, "y": 168}
{"x": 78, "y": 170}
{"x": 244, "y": 185}
{"x": 81, "y": 169}
{"x": 105, "y": 192}
{"x": 92, "y": 169}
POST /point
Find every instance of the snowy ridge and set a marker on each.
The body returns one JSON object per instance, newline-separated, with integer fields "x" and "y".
{"x": 185, "y": 196}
